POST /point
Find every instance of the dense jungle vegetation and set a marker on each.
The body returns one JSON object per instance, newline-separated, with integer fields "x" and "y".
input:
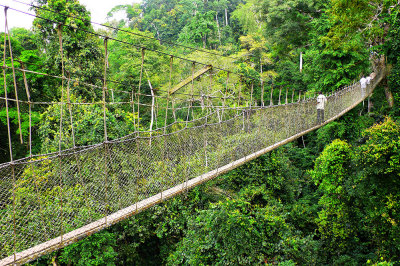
{"x": 330, "y": 198}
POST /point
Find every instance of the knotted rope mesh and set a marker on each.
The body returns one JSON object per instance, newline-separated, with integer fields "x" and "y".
{"x": 88, "y": 176}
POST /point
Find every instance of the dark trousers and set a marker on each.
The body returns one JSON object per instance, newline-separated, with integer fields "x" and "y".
{"x": 320, "y": 116}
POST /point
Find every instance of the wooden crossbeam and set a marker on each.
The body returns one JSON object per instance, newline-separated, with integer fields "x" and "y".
{"x": 189, "y": 79}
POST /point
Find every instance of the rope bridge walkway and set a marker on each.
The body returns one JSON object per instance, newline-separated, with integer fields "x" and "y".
{"x": 210, "y": 124}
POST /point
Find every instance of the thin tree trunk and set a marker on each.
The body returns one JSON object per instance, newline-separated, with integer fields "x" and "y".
{"x": 219, "y": 31}
{"x": 226, "y": 17}
{"x": 389, "y": 95}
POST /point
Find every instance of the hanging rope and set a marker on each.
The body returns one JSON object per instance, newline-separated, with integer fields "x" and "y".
{"x": 7, "y": 32}
{"x": 140, "y": 84}
{"x": 59, "y": 29}
{"x": 225, "y": 95}
{"x": 191, "y": 93}
{"x": 106, "y": 205}
{"x": 14, "y": 234}
{"x": 5, "y": 90}
{"x": 28, "y": 96}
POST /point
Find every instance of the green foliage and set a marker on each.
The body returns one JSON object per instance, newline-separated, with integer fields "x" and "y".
{"x": 272, "y": 171}
{"x": 392, "y": 50}
{"x": 231, "y": 232}
{"x": 200, "y": 31}
{"x": 379, "y": 159}
{"x": 97, "y": 249}
{"x": 82, "y": 55}
{"x": 360, "y": 195}
{"x": 355, "y": 20}
{"x": 87, "y": 127}
{"x": 287, "y": 22}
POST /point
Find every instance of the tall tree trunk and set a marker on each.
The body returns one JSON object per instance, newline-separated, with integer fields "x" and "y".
{"x": 389, "y": 95}
{"x": 226, "y": 17}
{"x": 219, "y": 31}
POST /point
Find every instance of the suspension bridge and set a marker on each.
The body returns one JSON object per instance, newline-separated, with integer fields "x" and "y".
{"x": 209, "y": 126}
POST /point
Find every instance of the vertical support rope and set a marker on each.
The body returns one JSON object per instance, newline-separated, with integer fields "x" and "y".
{"x": 6, "y": 95}
{"x": 78, "y": 164}
{"x": 14, "y": 77}
{"x": 140, "y": 84}
{"x": 226, "y": 93}
{"x": 105, "y": 130}
{"x": 239, "y": 93}
{"x": 187, "y": 120}
{"x": 9, "y": 138}
{"x": 70, "y": 111}
{"x": 61, "y": 133}
{"x": 191, "y": 95}
{"x": 152, "y": 113}
{"x": 262, "y": 84}
{"x": 171, "y": 61}
{"x": 28, "y": 96}
{"x": 133, "y": 109}
{"x": 211, "y": 86}
{"x": 105, "y": 88}
{"x": 251, "y": 95}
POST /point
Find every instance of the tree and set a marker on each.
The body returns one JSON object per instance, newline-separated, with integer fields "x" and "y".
{"x": 200, "y": 31}
{"x": 378, "y": 159}
{"x": 82, "y": 54}
{"x": 337, "y": 221}
{"x": 288, "y": 22}
{"x": 231, "y": 232}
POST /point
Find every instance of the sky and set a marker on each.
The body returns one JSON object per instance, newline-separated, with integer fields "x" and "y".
{"x": 97, "y": 8}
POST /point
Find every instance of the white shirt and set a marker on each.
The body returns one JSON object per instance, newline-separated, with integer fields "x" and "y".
{"x": 363, "y": 82}
{"x": 321, "y": 100}
{"x": 368, "y": 80}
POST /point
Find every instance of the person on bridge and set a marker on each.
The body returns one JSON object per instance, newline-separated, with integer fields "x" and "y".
{"x": 368, "y": 80}
{"x": 321, "y": 100}
{"x": 363, "y": 83}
